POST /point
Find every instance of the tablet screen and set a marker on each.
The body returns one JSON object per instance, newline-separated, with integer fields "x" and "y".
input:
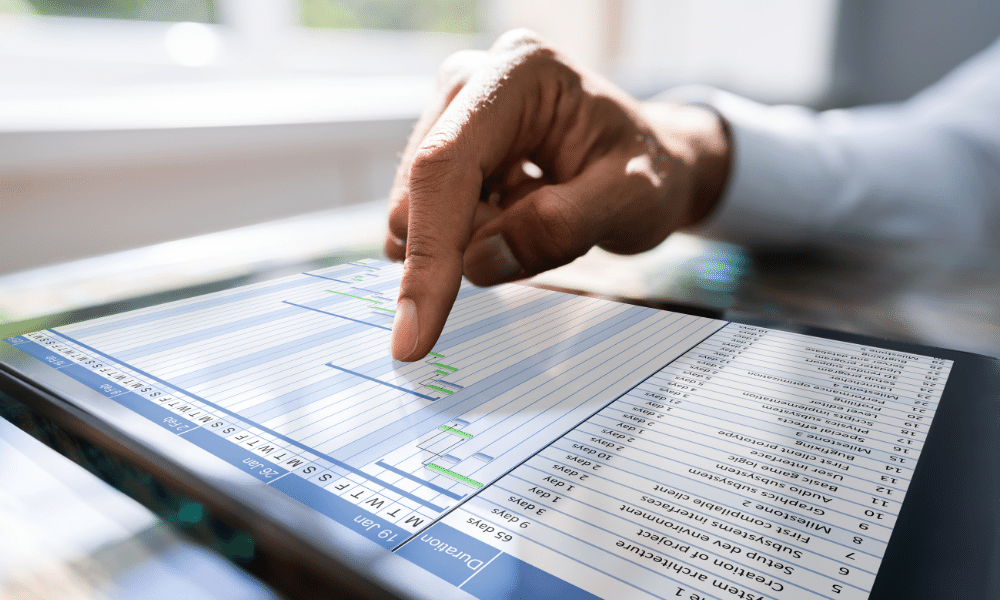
{"x": 551, "y": 445}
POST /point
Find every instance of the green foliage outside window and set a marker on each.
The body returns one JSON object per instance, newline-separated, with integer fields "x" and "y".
{"x": 451, "y": 16}
{"x": 201, "y": 11}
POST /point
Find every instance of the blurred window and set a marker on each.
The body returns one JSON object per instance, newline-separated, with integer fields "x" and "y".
{"x": 199, "y": 11}
{"x": 774, "y": 50}
{"x": 90, "y": 88}
{"x": 446, "y": 16}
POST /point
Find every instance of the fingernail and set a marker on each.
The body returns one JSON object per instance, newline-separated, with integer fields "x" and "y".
{"x": 404, "y": 330}
{"x": 492, "y": 260}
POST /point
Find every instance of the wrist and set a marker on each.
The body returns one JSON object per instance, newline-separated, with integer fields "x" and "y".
{"x": 700, "y": 138}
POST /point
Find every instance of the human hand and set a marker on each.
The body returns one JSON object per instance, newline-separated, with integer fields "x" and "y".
{"x": 523, "y": 163}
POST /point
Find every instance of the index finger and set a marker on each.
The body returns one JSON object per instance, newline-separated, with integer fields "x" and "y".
{"x": 453, "y": 74}
{"x": 469, "y": 140}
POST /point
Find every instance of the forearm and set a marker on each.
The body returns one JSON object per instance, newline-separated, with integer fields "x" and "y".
{"x": 927, "y": 170}
{"x": 802, "y": 177}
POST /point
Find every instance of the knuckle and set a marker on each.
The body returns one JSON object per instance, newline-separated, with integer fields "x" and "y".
{"x": 559, "y": 227}
{"x": 522, "y": 53}
{"x": 437, "y": 148}
{"x": 456, "y": 70}
{"x": 523, "y": 48}
{"x": 517, "y": 39}
{"x": 423, "y": 255}
{"x": 434, "y": 163}
{"x": 419, "y": 254}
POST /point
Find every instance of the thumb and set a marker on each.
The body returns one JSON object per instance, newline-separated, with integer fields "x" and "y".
{"x": 553, "y": 225}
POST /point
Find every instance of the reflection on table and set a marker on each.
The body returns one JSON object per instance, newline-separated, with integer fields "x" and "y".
{"x": 929, "y": 295}
{"x": 67, "y": 534}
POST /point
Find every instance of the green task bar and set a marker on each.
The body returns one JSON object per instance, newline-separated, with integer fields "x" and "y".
{"x": 356, "y": 297}
{"x": 453, "y": 475}
{"x": 436, "y": 354}
{"x": 443, "y": 372}
{"x": 436, "y": 388}
{"x": 444, "y": 366}
{"x": 456, "y": 431}
{"x": 384, "y": 309}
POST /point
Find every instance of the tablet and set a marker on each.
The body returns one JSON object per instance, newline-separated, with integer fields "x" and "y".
{"x": 551, "y": 445}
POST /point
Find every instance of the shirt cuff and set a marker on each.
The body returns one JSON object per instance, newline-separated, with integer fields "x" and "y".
{"x": 778, "y": 178}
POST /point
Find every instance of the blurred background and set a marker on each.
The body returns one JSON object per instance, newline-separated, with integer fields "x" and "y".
{"x": 128, "y": 124}
{"x": 155, "y": 149}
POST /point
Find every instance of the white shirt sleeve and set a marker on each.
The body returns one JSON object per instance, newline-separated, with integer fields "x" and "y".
{"x": 924, "y": 170}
